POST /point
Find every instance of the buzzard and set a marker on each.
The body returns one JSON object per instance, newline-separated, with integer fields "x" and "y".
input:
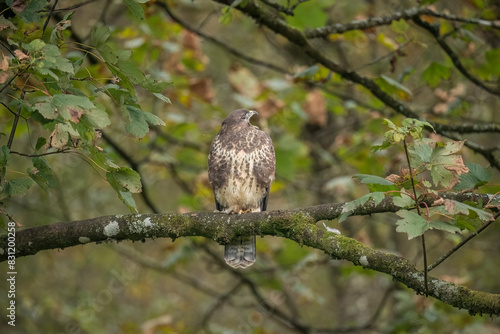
{"x": 241, "y": 166}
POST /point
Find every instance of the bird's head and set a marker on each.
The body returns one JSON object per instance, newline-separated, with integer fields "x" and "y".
{"x": 239, "y": 117}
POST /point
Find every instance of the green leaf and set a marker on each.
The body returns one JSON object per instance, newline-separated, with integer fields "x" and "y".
{"x": 30, "y": 10}
{"x": 71, "y": 107}
{"x": 348, "y": 208}
{"x": 376, "y": 183}
{"x": 421, "y": 151}
{"x": 385, "y": 145}
{"x": 135, "y": 8}
{"x": 411, "y": 223}
{"x": 46, "y": 58}
{"x": 372, "y": 179}
{"x": 131, "y": 71}
{"x": 138, "y": 121}
{"x": 434, "y": 73}
{"x": 98, "y": 116}
{"x": 155, "y": 86}
{"x": 109, "y": 55}
{"x": 100, "y": 158}
{"x": 125, "y": 181}
{"x": 452, "y": 207}
{"x": 307, "y": 73}
{"x": 40, "y": 142}
{"x": 400, "y": 26}
{"x": 41, "y": 173}
{"x": 392, "y": 87}
{"x": 308, "y": 15}
{"x": 443, "y": 226}
{"x": 60, "y": 136}
{"x": 127, "y": 199}
{"x": 15, "y": 187}
{"x": 445, "y": 165}
{"x": 162, "y": 97}
{"x": 125, "y": 178}
{"x": 227, "y": 16}
{"x": 56, "y": 35}
{"x": 468, "y": 223}
{"x": 377, "y": 197}
{"x": 99, "y": 35}
{"x": 6, "y": 23}
{"x": 415, "y": 127}
{"x": 476, "y": 177}
{"x": 403, "y": 201}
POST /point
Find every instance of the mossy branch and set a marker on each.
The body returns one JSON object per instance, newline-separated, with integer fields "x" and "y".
{"x": 297, "y": 225}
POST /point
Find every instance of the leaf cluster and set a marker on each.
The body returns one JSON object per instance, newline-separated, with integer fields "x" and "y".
{"x": 435, "y": 167}
{"x": 53, "y": 85}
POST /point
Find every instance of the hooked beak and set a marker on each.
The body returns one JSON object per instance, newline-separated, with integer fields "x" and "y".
{"x": 251, "y": 113}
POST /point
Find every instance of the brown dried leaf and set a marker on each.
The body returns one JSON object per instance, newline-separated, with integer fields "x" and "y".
{"x": 315, "y": 108}
{"x": 458, "y": 167}
{"x": 19, "y": 5}
{"x": 269, "y": 107}
{"x": 202, "y": 88}
{"x": 395, "y": 178}
{"x": 21, "y": 55}
{"x": 441, "y": 94}
{"x": 192, "y": 41}
{"x": 440, "y": 108}
{"x": 438, "y": 202}
{"x": 4, "y": 64}
{"x": 76, "y": 114}
{"x": 244, "y": 81}
{"x": 4, "y": 67}
{"x": 58, "y": 138}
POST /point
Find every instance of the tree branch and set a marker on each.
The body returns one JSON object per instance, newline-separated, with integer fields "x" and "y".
{"x": 297, "y": 225}
{"x": 406, "y": 14}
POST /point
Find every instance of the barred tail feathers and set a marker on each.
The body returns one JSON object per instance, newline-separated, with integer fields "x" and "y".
{"x": 241, "y": 252}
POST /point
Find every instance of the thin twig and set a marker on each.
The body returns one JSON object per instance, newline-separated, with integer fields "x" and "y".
{"x": 41, "y": 154}
{"x": 14, "y": 127}
{"x": 463, "y": 242}
{"x": 418, "y": 211}
{"x": 49, "y": 16}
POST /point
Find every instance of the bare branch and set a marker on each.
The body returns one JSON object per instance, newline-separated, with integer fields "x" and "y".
{"x": 362, "y": 24}
{"x": 468, "y": 128}
{"x": 406, "y": 14}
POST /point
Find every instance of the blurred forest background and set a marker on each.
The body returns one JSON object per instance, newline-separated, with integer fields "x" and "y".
{"x": 216, "y": 59}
